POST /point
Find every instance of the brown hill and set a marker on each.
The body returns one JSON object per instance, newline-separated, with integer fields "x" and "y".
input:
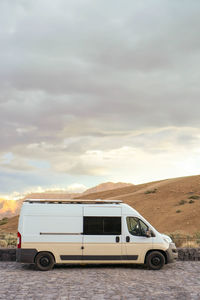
{"x": 169, "y": 205}
{"x": 11, "y": 226}
{"x": 63, "y": 195}
{"x": 52, "y": 195}
{"x": 106, "y": 186}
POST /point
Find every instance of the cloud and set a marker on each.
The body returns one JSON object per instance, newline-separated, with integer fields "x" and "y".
{"x": 78, "y": 77}
{"x": 72, "y": 188}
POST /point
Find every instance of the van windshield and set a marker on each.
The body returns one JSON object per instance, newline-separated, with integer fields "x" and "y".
{"x": 136, "y": 226}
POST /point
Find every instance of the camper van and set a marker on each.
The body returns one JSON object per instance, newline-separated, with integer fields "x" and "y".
{"x": 89, "y": 232}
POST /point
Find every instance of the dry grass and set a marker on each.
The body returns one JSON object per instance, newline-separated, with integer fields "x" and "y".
{"x": 8, "y": 240}
{"x": 190, "y": 244}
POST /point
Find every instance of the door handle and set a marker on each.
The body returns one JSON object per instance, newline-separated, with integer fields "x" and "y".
{"x": 117, "y": 239}
{"x": 127, "y": 239}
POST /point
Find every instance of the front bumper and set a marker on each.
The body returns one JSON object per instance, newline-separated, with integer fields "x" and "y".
{"x": 26, "y": 255}
{"x": 172, "y": 253}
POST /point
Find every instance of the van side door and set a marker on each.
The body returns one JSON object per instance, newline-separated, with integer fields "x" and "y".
{"x": 102, "y": 234}
{"x": 135, "y": 239}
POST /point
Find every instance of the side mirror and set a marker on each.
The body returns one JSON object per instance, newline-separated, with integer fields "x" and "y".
{"x": 148, "y": 233}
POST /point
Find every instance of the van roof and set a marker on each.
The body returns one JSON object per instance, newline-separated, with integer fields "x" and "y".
{"x": 73, "y": 201}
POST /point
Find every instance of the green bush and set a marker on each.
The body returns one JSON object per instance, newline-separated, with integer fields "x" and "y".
{"x": 178, "y": 211}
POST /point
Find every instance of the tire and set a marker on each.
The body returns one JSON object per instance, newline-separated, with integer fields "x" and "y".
{"x": 44, "y": 261}
{"x": 155, "y": 260}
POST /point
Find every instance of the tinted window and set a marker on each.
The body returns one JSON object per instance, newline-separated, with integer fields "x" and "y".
{"x": 136, "y": 226}
{"x": 102, "y": 225}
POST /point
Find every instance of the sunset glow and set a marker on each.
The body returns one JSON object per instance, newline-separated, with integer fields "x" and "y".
{"x": 8, "y": 206}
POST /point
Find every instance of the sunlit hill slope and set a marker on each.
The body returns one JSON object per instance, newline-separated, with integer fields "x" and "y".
{"x": 169, "y": 205}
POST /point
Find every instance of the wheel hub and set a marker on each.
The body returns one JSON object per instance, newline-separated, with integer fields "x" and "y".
{"x": 44, "y": 261}
{"x": 156, "y": 261}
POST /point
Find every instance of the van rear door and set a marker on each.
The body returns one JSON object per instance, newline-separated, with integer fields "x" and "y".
{"x": 102, "y": 234}
{"x": 54, "y": 228}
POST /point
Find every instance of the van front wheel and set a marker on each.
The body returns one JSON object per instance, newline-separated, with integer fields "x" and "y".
{"x": 44, "y": 261}
{"x": 155, "y": 260}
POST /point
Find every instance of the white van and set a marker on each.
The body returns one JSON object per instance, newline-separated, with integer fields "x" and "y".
{"x": 89, "y": 231}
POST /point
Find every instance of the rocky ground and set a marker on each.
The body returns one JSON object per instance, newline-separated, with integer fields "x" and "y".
{"x": 180, "y": 280}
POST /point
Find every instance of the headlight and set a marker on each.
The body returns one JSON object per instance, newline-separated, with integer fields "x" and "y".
{"x": 166, "y": 240}
{"x": 173, "y": 245}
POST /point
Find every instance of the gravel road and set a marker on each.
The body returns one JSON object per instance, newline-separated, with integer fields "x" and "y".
{"x": 180, "y": 280}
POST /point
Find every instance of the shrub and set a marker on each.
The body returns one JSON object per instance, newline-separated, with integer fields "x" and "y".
{"x": 182, "y": 202}
{"x": 3, "y": 244}
{"x": 189, "y": 244}
{"x": 194, "y": 197}
{"x": 151, "y": 191}
{"x": 3, "y": 221}
{"x": 182, "y": 240}
{"x": 191, "y": 201}
{"x": 11, "y": 239}
{"x": 178, "y": 211}
{"x": 177, "y": 238}
{"x": 197, "y": 237}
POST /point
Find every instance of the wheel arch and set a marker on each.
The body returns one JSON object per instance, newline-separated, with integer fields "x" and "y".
{"x": 161, "y": 251}
{"x": 43, "y": 251}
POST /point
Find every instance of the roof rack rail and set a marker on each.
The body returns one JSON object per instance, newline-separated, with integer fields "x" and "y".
{"x": 73, "y": 201}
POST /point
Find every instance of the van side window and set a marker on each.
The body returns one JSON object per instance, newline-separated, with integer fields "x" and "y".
{"x": 136, "y": 226}
{"x": 102, "y": 225}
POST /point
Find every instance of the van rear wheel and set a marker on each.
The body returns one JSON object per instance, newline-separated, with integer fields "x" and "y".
{"x": 155, "y": 260}
{"x": 44, "y": 261}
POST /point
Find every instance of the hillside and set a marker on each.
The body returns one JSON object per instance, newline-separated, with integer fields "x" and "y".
{"x": 166, "y": 204}
{"x": 107, "y": 186}
{"x": 169, "y": 205}
{"x": 11, "y": 226}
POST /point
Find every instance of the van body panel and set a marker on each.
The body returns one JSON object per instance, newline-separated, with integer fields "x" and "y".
{"x": 98, "y": 210}
{"x": 57, "y": 249}
{"x": 102, "y": 247}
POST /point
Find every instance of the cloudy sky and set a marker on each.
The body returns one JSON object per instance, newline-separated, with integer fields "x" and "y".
{"x": 95, "y": 91}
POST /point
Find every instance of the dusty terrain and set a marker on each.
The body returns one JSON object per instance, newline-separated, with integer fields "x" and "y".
{"x": 11, "y": 226}
{"x": 175, "y": 281}
{"x": 169, "y": 205}
{"x": 160, "y": 202}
